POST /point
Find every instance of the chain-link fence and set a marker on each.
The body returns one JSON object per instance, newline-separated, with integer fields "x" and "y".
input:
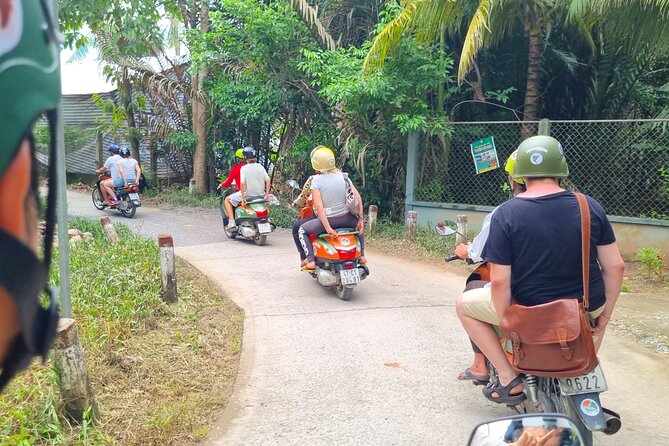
{"x": 623, "y": 164}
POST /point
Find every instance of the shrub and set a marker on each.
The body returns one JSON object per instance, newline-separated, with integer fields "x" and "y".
{"x": 652, "y": 261}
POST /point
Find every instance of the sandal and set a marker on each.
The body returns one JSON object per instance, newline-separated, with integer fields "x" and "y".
{"x": 468, "y": 375}
{"x": 503, "y": 392}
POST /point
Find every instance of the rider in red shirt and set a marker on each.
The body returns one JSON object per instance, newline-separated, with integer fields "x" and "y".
{"x": 234, "y": 174}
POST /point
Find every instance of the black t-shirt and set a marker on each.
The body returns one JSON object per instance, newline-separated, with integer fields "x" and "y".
{"x": 541, "y": 238}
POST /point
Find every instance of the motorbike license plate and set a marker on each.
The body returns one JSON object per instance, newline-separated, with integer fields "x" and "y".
{"x": 349, "y": 276}
{"x": 591, "y": 382}
{"x": 264, "y": 228}
{"x": 134, "y": 196}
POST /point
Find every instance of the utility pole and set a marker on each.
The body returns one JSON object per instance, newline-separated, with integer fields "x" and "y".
{"x": 61, "y": 203}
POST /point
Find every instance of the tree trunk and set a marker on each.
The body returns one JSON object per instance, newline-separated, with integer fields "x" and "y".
{"x": 200, "y": 114}
{"x": 532, "y": 90}
{"x": 133, "y": 132}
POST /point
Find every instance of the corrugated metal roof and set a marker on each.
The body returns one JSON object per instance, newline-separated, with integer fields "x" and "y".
{"x": 80, "y": 111}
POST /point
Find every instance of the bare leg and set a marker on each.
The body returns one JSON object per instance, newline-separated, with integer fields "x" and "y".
{"x": 109, "y": 187}
{"x": 103, "y": 191}
{"x": 485, "y": 337}
{"x": 228, "y": 209}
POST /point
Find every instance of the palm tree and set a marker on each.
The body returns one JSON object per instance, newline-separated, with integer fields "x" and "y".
{"x": 641, "y": 22}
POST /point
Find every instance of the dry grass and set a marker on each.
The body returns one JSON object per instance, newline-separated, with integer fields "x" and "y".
{"x": 169, "y": 383}
{"x": 160, "y": 373}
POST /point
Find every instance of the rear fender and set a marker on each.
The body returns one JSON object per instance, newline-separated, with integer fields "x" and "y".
{"x": 590, "y": 410}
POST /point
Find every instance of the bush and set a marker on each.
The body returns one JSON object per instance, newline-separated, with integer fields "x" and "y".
{"x": 427, "y": 242}
{"x": 652, "y": 261}
{"x": 283, "y": 215}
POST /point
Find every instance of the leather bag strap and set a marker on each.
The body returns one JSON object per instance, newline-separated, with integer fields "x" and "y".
{"x": 585, "y": 246}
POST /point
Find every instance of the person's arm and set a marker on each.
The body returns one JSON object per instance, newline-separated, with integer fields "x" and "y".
{"x": 228, "y": 181}
{"x": 475, "y": 248}
{"x": 138, "y": 173}
{"x": 613, "y": 268}
{"x": 105, "y": 167}
{"x": 268, "y": 185}
{"x": 360, "y": 227}
{"x": 500, "y": 287}
{"x": 120, "y": 172}
{"x": 320, "y": 211}
{"x": 302, "y": 199}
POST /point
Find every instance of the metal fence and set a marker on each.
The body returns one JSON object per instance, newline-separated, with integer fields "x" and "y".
{"x": 623, "y": 164}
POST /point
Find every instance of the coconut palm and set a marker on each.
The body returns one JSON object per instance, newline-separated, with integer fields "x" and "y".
{"x": 486, "y": 24}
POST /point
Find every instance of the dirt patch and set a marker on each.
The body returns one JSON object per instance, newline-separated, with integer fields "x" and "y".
{"x": 167, "y": 386}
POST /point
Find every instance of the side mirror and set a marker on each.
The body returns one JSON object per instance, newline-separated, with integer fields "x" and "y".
{"x": 443, "y": 229}
{"x": 536, "y": 429}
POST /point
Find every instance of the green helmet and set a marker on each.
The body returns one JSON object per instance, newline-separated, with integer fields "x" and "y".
{"x": 29, "y": 70}
{"x": 540, "y": 156}
{"x": 239, "y": 154}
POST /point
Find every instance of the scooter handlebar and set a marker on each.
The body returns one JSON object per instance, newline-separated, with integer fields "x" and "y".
{"x": 454, "y": 257}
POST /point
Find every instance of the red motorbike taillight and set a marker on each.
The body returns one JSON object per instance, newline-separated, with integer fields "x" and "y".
{"x": 260, "y": 214}
{"x": 349, "y": 266}
{"x": 347, "y": 254}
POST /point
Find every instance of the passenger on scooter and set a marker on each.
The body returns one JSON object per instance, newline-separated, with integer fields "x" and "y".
{"x": 128, "y": 169}
{"x": 29, "y": 89}
{"x": 534, "y": 249}
{"x": 233, "y": 175}
{"x": 329, "y": 198}
{"x": 254, "y": 183}
{"x": 111, "y": 165}
{"x": 478, "y": 371}
{"x": 302, "y": 201}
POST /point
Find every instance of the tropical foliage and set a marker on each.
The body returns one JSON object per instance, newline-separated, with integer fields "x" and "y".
{"x": 358, "y": 75}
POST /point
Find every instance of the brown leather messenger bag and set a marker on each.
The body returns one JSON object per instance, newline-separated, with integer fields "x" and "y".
{"x": 555, "y": 339}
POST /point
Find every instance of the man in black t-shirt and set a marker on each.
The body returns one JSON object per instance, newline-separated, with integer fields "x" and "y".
{"x": 534, "y": 249}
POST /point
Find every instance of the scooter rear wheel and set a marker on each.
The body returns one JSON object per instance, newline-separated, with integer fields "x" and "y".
{"x": 260, "y": 240}
{"x": 127, "y": 207}
{"x": 344, "y": 292}
{"x": 98, "y": 201}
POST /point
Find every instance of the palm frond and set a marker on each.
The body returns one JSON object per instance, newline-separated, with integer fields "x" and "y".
{"x": 388, "y": 38}
{"x": 474, "y": 39}
{"x": 309, "y": 16}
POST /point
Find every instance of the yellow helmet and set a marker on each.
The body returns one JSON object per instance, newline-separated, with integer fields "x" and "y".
{"x": 322, "y": 159}
{"x": 239, "y": 153}
{"x": 510, "y": 163}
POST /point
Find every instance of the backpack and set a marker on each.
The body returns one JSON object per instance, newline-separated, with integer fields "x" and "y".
{"x": 352, "y": 203}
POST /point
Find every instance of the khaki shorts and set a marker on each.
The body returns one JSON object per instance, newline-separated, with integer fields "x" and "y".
{"x": 477, "y": 304}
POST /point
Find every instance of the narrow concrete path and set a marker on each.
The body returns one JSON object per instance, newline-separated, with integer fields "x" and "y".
{"x": 379, "y": 369}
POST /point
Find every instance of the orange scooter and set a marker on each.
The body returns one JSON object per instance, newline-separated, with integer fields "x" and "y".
{"x": 337, "y": 258}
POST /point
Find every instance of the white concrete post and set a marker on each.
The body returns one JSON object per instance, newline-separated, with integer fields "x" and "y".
{"x": 371, "y": 219}
{"x": 75, "y": 387}
{"x": 168, "y": 272}
{"x": 461, "y": 236}
{"x": 109, "y": 230}
{"x": 191, "y": 186}
{"x": 412, "y": 220}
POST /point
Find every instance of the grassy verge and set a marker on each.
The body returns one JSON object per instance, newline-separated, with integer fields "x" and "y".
{"x": 160, "y": 373}
{"x": 390, "y": 237}
{"x": 283, "y": 216}
{"x": 179, "y": 196}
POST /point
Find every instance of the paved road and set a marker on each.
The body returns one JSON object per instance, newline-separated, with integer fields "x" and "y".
{"x": 377, "y": 370}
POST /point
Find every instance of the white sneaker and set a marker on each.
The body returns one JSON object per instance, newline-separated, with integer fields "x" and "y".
{"x": 231, "y": 225}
